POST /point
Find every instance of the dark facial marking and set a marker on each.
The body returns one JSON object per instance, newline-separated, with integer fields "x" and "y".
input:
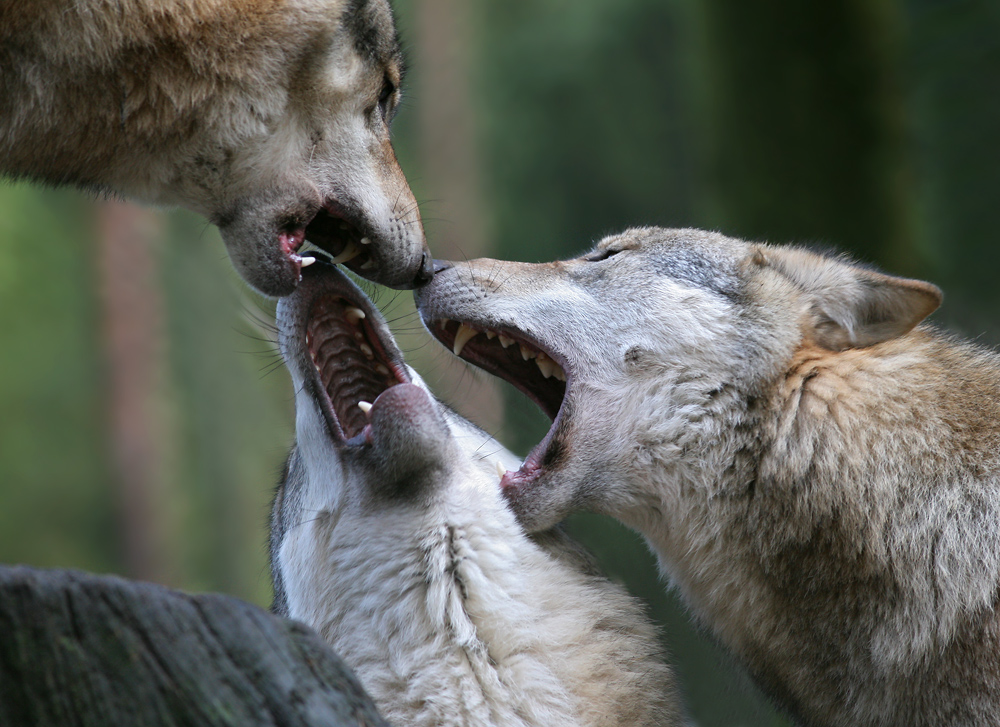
{"x": 691, "y": 267}
{"x": 373, "y": 30}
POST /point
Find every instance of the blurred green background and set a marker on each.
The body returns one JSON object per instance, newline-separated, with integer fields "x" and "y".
{"x": 143, "y": 413}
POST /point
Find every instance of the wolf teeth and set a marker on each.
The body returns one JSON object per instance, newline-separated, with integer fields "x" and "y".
{"x": 367, "y": 351}
{"x": 558, "y": 372}
{"x": 365, "y": 241}
{"x": 545, "y": 366}
{"x": 349, "y": 252}
{"x": 364, "y": 406}
{"x": 501, "y": 470}
{"x": 526, "y": 352}
{"x": 443, "y": 323}
{"x": 382, "y": 369}
{"x": 353, "y": 315}
{"x": 504, "y": 340}
{"x": 490, "y": 335}
{"x": 367, "y": 264}
{"x": 306, "y": 260}
{"x": 463, "y": 336}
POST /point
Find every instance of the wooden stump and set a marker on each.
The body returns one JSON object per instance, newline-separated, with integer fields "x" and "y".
{"x": 79, "y": 649}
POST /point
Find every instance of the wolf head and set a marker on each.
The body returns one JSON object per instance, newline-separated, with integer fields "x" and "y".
{"x": 269, "y": 117}
{"x": 641, "y": 349}
{"x": 319, "y": 166}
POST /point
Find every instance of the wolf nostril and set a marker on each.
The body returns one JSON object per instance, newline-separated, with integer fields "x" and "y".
{"x": 426, "y": 271}
{"x": 441, "y": 265}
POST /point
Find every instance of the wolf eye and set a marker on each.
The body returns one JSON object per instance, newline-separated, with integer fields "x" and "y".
{"x": 601, "y": 255}
{"x": 385, "y": 96}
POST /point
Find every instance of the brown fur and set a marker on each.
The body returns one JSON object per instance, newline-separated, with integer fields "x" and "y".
{"x": 256, "y": 113}
{"x": 818, "y": 474}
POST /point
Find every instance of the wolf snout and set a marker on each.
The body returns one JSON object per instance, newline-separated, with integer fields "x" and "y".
{"x": 407, "y": 435}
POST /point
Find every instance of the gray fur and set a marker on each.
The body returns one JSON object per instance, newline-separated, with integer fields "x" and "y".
{"x": 818, "y": 474}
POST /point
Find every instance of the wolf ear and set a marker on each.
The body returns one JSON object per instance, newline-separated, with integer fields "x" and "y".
{"x": 852, "y": 307}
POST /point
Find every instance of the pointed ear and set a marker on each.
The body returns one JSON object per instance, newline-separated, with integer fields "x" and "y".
{"x": 853, "y": 307}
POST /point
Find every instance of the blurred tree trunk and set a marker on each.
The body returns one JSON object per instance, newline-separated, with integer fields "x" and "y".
{"x": 93, "y": 651}
{"x": 450, "y": 164}
{"x": 132, "y": 323}
{"x": 806, "y": 137}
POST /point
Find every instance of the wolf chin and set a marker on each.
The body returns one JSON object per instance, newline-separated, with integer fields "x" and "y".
{"x": 390, "y": 537}
{"x": 270, "y": 117}
{"x": 818, "y": 474}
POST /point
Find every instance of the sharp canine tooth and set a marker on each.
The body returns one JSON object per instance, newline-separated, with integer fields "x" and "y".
{"x": 504, "y": 341}
{"x": 558, "y": 372}
{"x": 367, "y": 264}
{"x": 501, "y": 470}
{"x": 364, "y": 406}
{"x": 365, "y": 241}
{"x": 306, "y": 261}
{"x": 353, "y": 315}
{"x": 350, "y": 252}
{"x": 526, "y": 352}
{"x": 490, "y": 335}
{"x": 464, "y": 335}
{"x": 545, "y": 366}
{"x": 367, "y": 350}
{"x": 382, "y": 369}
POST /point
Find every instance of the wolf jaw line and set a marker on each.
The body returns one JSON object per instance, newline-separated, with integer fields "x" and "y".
{"x": 390, "y": 537}
{"x": 269, "y": 117}
{"x": 818, "y": 475}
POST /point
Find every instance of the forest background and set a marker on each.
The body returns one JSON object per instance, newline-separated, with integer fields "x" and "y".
{"x": 144, "y": 416}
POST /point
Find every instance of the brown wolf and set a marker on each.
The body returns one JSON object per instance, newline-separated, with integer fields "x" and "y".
{"x": 271, "y": 117}
{"x": 818, "y": 474}
{"x": 390, "y": 536}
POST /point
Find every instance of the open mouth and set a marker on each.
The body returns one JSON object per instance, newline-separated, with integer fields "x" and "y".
{"x": 538, "y": 373}
{"x": 353, "y": 358}
{"x": 342, "y": 233}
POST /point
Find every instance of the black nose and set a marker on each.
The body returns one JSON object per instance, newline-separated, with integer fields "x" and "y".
{"x": 440, "y": 266}
{"x": 426, "y": 272}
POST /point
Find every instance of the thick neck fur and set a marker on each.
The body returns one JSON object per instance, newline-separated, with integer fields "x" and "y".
{"x": 451, "y": 615}
{"x": 842, "y": 536}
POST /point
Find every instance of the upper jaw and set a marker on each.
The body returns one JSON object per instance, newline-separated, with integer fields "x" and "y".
{"x": 513, "y": 354}
{"x": 393, "y": 254}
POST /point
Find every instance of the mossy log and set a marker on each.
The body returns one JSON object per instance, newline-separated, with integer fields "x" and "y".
{"x": 84, "y": 650}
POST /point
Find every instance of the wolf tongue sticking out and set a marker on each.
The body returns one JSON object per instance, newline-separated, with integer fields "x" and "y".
{"x": 391, "y": 538}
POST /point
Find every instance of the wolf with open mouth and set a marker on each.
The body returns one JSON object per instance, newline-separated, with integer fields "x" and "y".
{"x": 818, "y": 474}
{"x": 391, "y": 538}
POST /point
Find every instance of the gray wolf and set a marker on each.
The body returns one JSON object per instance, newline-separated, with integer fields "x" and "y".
{"x": 391, "y": 538}
{"x": 270, "y": 117}
{"x": 818, "y": 474}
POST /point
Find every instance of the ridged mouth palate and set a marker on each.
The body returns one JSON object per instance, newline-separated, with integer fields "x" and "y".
{"x": 513, "y": 356}
{"x": 352, "y": 364}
